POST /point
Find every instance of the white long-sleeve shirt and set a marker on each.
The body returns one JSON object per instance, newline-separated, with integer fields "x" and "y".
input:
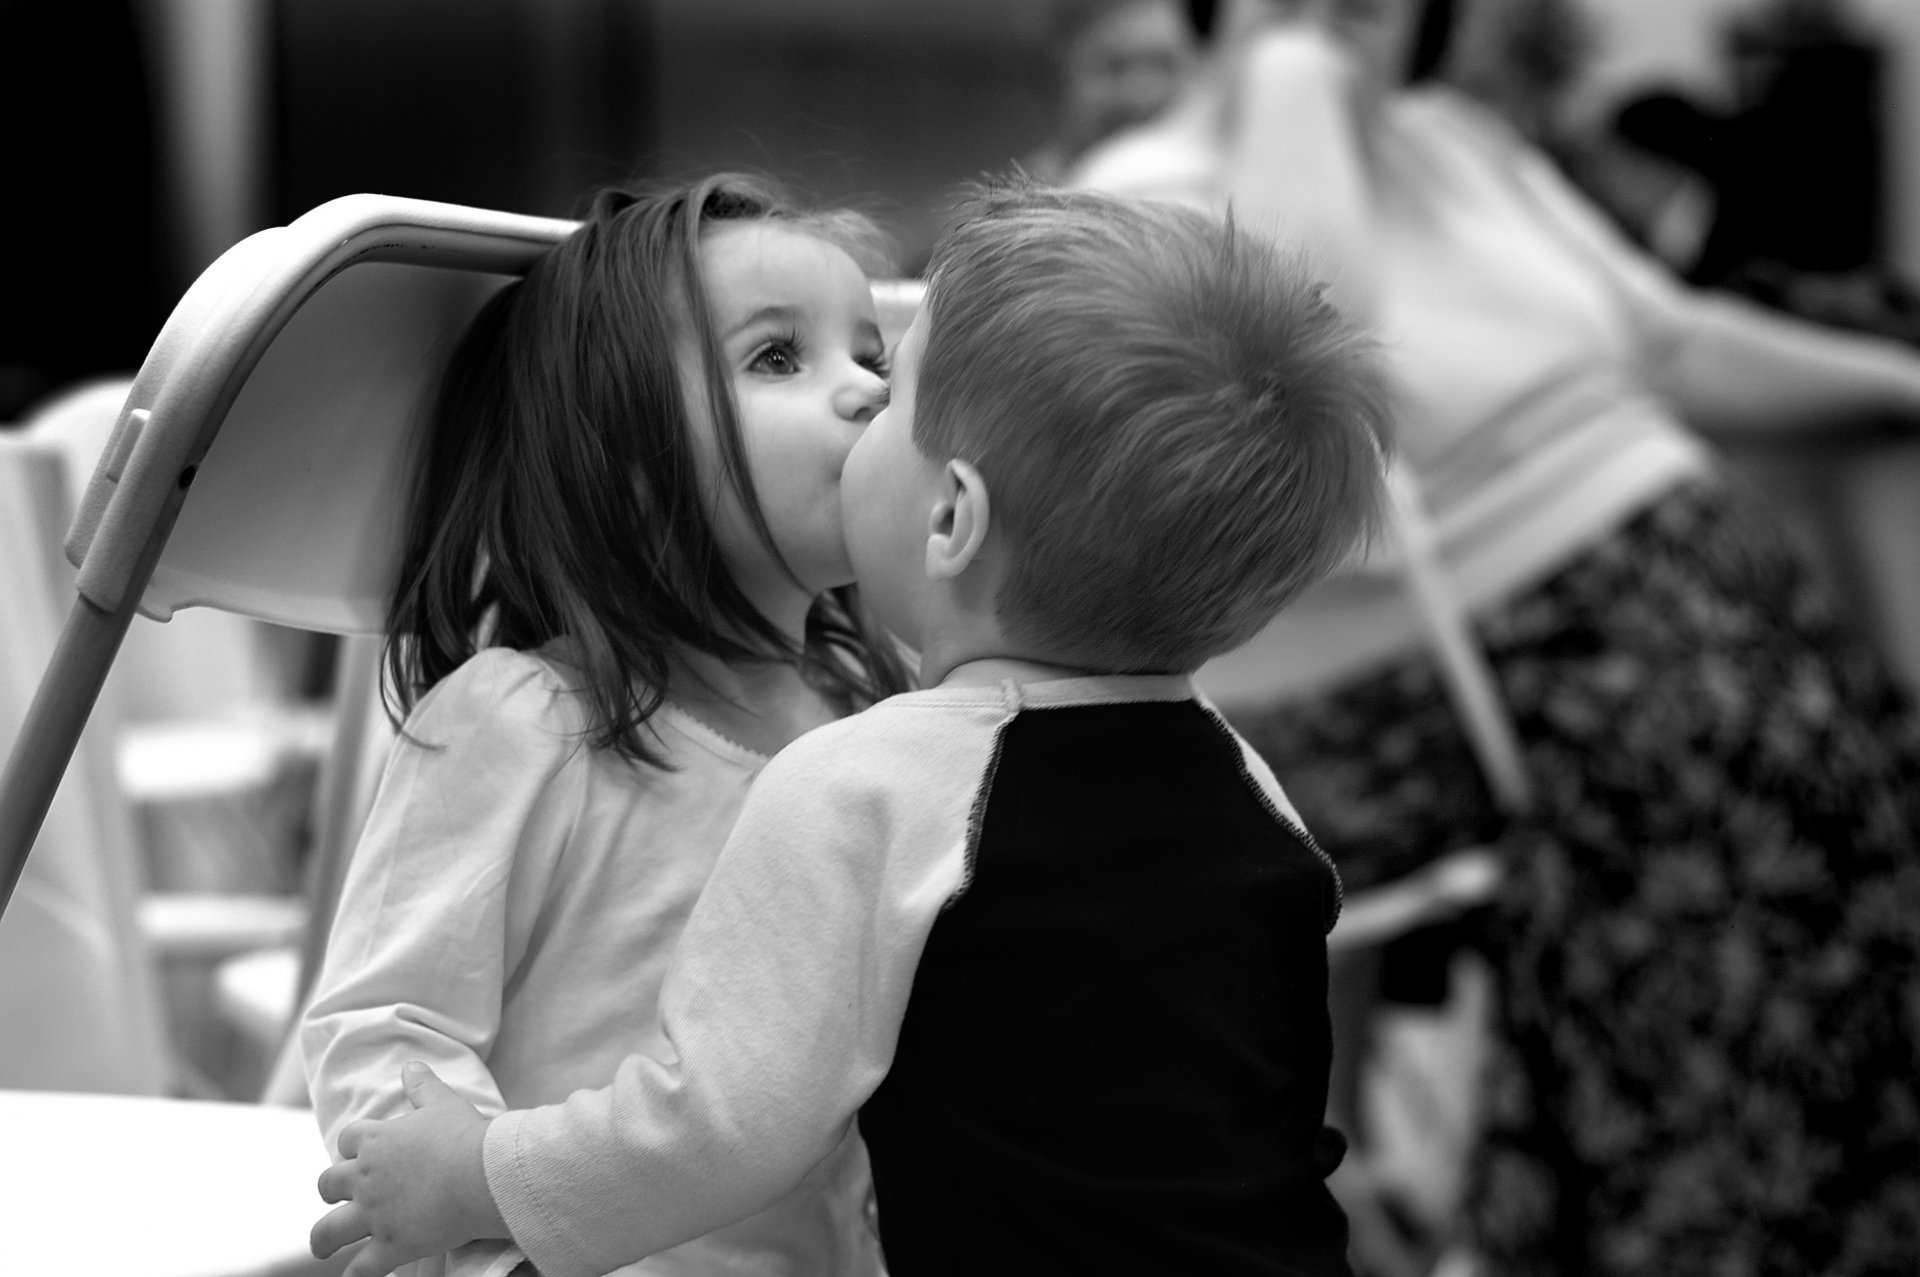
{"x": 1062, "y": 942}
{"x": 508, "y": 918}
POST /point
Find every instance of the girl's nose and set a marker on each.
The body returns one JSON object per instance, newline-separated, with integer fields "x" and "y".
{"x": 861, "y": 397}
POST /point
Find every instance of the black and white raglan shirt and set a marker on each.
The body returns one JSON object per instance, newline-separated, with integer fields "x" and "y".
{"x": 1059, "y": 947}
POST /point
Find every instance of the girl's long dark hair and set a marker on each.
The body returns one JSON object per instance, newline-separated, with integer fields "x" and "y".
{"x": 556, "y": 494}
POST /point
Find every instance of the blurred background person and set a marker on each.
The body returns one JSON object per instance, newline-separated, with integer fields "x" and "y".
{"x": 1116, "y": 63}
{"x": 1706, "y": 1036}
{"x": 1802, "y": 117}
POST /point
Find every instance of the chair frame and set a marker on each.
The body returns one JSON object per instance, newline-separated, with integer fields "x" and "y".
{"x": 172, "y": 418}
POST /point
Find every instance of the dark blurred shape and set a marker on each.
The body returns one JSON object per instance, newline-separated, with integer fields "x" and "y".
{"x": 81, "y": 215}
{"x": 1798, "y": 172}
{"x": 512, "y": 104}
{"x": 1432, "y": 36}
{"x": 1649, "y": 167}
{"x": 1793, "y": 173}
{"x": 1669, "y": 123}
{"x": 1201, "y": 14}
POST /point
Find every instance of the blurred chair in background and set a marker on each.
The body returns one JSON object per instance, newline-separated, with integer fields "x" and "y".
{"x": 258, "y": 993}
{"x": 214, "y": 746}
{"x": 85, "y": 1064}
{"x": 78, "y": 994}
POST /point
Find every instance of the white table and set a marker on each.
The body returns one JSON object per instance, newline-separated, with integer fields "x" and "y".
{"x": 131, "y": 1186}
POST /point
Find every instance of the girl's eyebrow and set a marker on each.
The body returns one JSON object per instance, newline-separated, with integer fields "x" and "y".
{"x": 792, "y": 315}
{"x": 779, "y": 314}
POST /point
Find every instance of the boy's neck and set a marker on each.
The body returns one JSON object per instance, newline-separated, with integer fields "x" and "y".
{"x": 964, "y": 644}
{"x": 971, "y": 651}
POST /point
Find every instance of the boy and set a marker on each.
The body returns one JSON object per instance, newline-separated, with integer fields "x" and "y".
{"x": 1048, "y": 928}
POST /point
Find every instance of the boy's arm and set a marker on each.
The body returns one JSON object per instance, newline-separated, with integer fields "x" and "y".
{"x": 780, "y": 1014}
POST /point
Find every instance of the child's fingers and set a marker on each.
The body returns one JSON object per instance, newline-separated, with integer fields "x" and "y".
{"x": 375, "y": 1261}
{"x": 424, "y": 1086}
{"x": 341, "y": 1226}
{"x": 350, "y": 1138}
{"x": 337, "y": 1181}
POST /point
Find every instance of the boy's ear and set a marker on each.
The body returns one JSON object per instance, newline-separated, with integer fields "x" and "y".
{"x": 958, "y": 529}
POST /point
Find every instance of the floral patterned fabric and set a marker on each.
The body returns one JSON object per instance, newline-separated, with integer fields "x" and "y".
{"x": 1709, "y": 937}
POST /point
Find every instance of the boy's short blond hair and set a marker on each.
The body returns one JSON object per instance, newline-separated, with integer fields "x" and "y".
{"x": 1178, "y": 432}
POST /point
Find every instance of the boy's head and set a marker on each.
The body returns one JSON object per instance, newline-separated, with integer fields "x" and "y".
{"x": 1177, "y": 432}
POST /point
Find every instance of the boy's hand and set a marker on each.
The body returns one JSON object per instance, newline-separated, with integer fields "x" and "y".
{"x": 415, "y": 1184}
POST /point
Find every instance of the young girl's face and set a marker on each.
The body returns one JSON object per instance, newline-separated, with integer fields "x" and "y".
{"x": 802, "y": 351}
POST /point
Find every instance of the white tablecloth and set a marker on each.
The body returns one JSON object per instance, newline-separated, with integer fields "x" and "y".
{"x": 130, "y": 1186}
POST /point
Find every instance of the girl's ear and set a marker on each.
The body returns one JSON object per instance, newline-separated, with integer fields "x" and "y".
{"x": 958, "y": 530}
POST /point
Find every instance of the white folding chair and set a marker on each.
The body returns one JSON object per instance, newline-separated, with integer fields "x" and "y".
{"x": 257, "y": 466}
{"x": 258, "y": 462}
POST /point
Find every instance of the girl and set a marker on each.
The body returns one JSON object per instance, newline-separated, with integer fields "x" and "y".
{"x": 624, "y": 587}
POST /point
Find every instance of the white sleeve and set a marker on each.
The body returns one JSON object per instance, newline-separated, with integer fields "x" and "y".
{"x": 781, "y": 1012}
{"x": 442, "y": 893}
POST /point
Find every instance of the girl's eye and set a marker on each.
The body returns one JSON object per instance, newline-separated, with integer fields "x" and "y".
{"x": 879, "y": 365}
{"x": 778, "y": 357}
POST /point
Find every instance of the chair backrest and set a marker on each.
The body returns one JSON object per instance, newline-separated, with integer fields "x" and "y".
{"x": 205, "y": 663}
{"x": 307, "y": 353}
